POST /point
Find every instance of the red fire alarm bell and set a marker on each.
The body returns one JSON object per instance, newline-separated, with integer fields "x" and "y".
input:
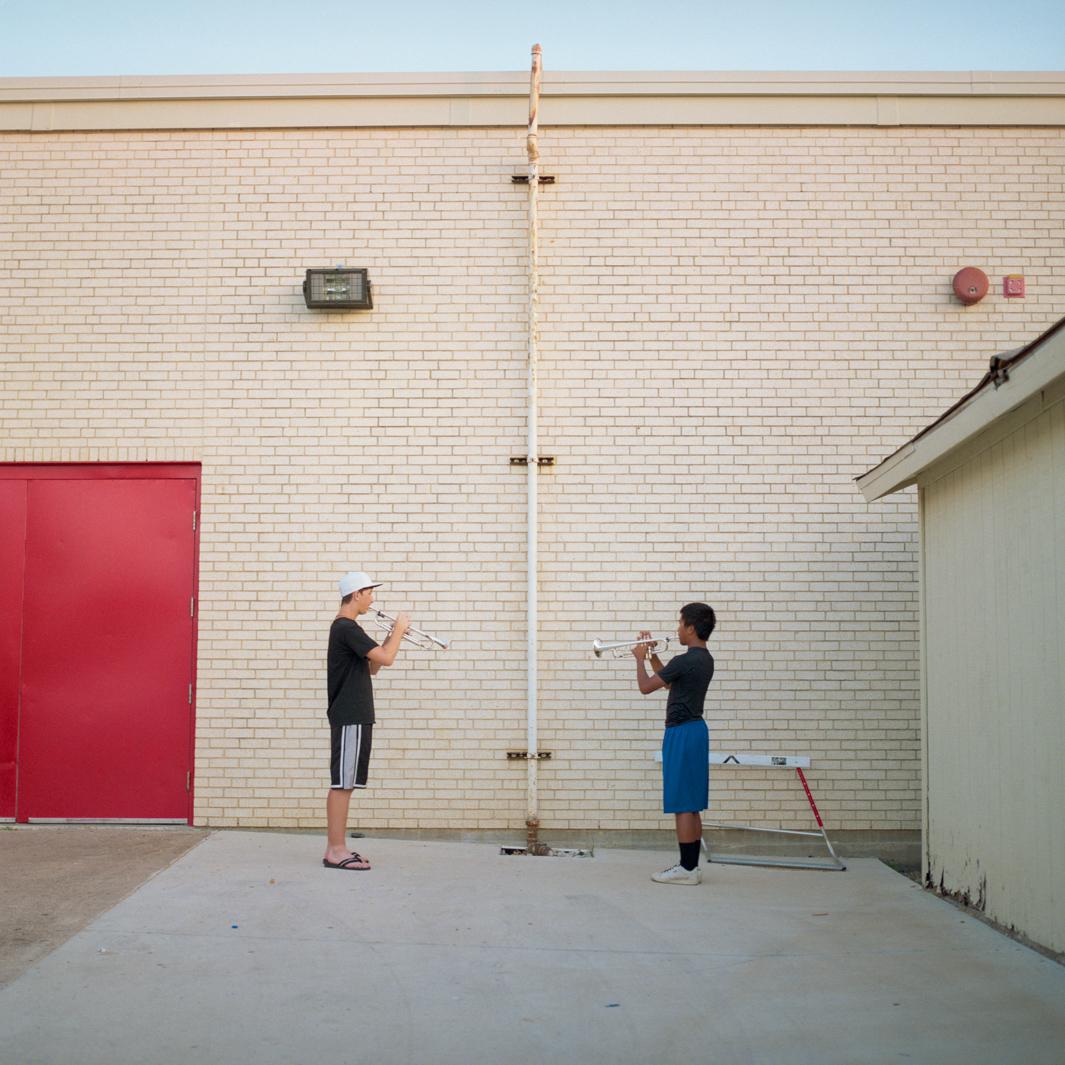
{"x": 1013, "y": 286}
{"x": 970, "y": 285}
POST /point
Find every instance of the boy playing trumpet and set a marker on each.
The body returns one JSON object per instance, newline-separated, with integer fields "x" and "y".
{"x": 686, "y": 743}
{"x": 352, "y": 659}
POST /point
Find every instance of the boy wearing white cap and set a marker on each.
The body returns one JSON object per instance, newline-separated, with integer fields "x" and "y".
{"x": 353, "y": 658}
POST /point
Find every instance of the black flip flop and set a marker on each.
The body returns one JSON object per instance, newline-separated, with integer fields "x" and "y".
{"x": 351, "y": 864}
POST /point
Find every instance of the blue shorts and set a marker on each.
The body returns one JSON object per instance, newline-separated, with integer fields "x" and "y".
{"x": 686, "y": 768}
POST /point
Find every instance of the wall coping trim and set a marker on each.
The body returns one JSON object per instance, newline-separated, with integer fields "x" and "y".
{"x": 570, "y": 98}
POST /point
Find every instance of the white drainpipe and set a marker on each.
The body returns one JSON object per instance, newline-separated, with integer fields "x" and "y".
{"x": 532, "y": 818}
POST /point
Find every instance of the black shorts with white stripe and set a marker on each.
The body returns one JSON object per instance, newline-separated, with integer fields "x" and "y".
{"x": 349, "y": 759}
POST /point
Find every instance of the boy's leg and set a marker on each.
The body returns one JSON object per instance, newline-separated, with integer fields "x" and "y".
{"x": 689, "y": 839}
{"x": 349, "y": 763}
{"x": 689, "y": 828}
{"x": 678, "y": 759}
{"x": 689, "y": 836}
{"x": 336, "y": 819}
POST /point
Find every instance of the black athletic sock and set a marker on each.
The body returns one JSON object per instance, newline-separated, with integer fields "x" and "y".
{"x": 689, "y": 855}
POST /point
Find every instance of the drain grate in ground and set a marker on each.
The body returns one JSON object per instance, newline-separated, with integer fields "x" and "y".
{"x": 541, "y": 851}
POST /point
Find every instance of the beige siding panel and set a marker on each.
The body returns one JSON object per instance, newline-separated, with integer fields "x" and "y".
{"x": 995, "y": 609}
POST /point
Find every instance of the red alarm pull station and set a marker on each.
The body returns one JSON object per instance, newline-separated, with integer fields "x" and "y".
{"x": 970, "y": 285}
{"x": 1013, "y": 286}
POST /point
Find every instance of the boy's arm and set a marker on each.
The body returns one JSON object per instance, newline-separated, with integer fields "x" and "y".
{"x": 385, "y": 655}
{"x": 645, "y": 683}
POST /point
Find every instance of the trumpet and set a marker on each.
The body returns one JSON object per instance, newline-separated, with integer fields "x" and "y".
{"x": 412, "y": 635}
{"x": 624, "y": 647}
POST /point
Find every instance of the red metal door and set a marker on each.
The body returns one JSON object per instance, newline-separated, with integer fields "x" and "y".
{"x": 107, "y": 648}
{"x": 12, "y": 555}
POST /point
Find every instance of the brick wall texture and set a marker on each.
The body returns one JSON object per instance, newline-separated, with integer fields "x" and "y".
{"x": 735, "y": 324}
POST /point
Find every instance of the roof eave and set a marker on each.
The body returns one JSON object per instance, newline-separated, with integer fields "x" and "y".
{"x": 1043, "y": 363}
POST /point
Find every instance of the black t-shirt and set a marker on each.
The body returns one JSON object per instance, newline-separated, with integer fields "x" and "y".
{"x": 348, "y": 681}
{"x": 688, "y": 676}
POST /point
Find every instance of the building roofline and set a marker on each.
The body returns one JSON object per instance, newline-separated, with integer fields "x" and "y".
{"x": 641, "y": 83}
{"x": 640, "y": 98}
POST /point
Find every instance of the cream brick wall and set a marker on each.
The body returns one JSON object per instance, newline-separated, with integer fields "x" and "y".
{"x": 736, "y": 322}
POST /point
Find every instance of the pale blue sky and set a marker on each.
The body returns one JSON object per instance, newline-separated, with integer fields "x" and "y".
{"x": 77, "y": 37}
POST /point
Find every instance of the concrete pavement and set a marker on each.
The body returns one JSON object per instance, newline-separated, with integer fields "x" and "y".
{"x": 247, "y": 950}
{"x": 55, "y": 879}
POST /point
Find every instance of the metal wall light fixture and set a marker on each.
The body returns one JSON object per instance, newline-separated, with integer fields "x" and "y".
{"x": 337, "y": 290}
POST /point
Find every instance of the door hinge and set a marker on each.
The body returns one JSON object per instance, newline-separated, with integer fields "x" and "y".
{"x": 194, "y": 521}
{"x": 190, "y": 695}
{"x": 192, "y": 606}
{"x": 188, "y": 780}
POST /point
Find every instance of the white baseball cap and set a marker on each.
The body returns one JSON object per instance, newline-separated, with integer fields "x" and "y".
{"x": 355, "y": 581}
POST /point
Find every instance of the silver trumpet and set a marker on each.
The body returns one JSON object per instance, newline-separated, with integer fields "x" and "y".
{"x": 624, "y": 647}
{"x": 412, "y": 635}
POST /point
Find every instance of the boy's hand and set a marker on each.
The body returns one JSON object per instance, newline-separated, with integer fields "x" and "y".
{"x": 641, "y": 649}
